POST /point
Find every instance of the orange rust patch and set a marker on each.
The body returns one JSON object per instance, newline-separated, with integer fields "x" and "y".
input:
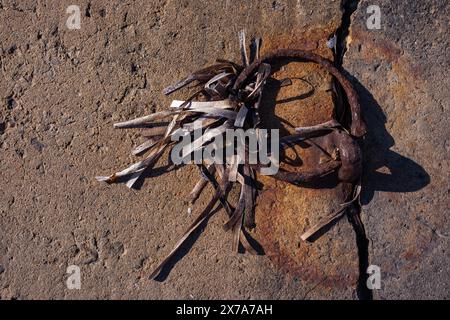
{"x": 404, "y": 69}
{"x": 374, "y": 48}
{"x": 284, "y": 211}
{"x": 313, "y": 39}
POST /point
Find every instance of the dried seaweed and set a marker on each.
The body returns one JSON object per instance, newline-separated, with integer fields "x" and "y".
{"x": 229, "y": 97}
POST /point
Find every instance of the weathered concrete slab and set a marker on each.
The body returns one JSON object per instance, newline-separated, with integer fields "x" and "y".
{"x": 401, "y": 71}
{"x": 62, "y": 89}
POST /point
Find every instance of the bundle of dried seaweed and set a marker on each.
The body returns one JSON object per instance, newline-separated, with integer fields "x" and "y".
{"x": 229, "y": 96}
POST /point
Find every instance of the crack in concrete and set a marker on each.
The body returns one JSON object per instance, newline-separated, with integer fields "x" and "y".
{"x": 348, "y": 7}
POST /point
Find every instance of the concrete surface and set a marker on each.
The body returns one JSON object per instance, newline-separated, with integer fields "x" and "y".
{"x": 400, "y": 71}
{"x": 62, "y": 90}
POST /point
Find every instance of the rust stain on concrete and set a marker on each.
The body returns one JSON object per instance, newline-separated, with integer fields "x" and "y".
{"x": 283, "y": 210}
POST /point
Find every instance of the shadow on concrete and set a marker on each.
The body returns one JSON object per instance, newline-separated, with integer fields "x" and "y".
{"x": 403, "y": 174}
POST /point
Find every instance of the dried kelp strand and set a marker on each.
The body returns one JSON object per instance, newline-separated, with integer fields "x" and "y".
{"x": 332, "y": 216}
{"x": 223, "y": 113}
{"x": 202, "y": 75}
{"x": 154, "y": 132}
{"x": 263, "y": 74}
{"x": 198, "y": 188}
{"x": 243, "y": 47}
{"x": 145, "y": 120}
{"x": 249, "y": 196}
{"x": 323, "y": 222}
{"x": 197, "y": 222}
{"x": 144, "y": 147}
{"x": 207, "y": 136}
{"x": 307, "y": 131}
{"x": 223, "y": 104}
{"x": 255, "y": 46}
{"x": 240, "y": 117}
{"x": 306, "y": 176}
{"x": 200, "y": 123}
